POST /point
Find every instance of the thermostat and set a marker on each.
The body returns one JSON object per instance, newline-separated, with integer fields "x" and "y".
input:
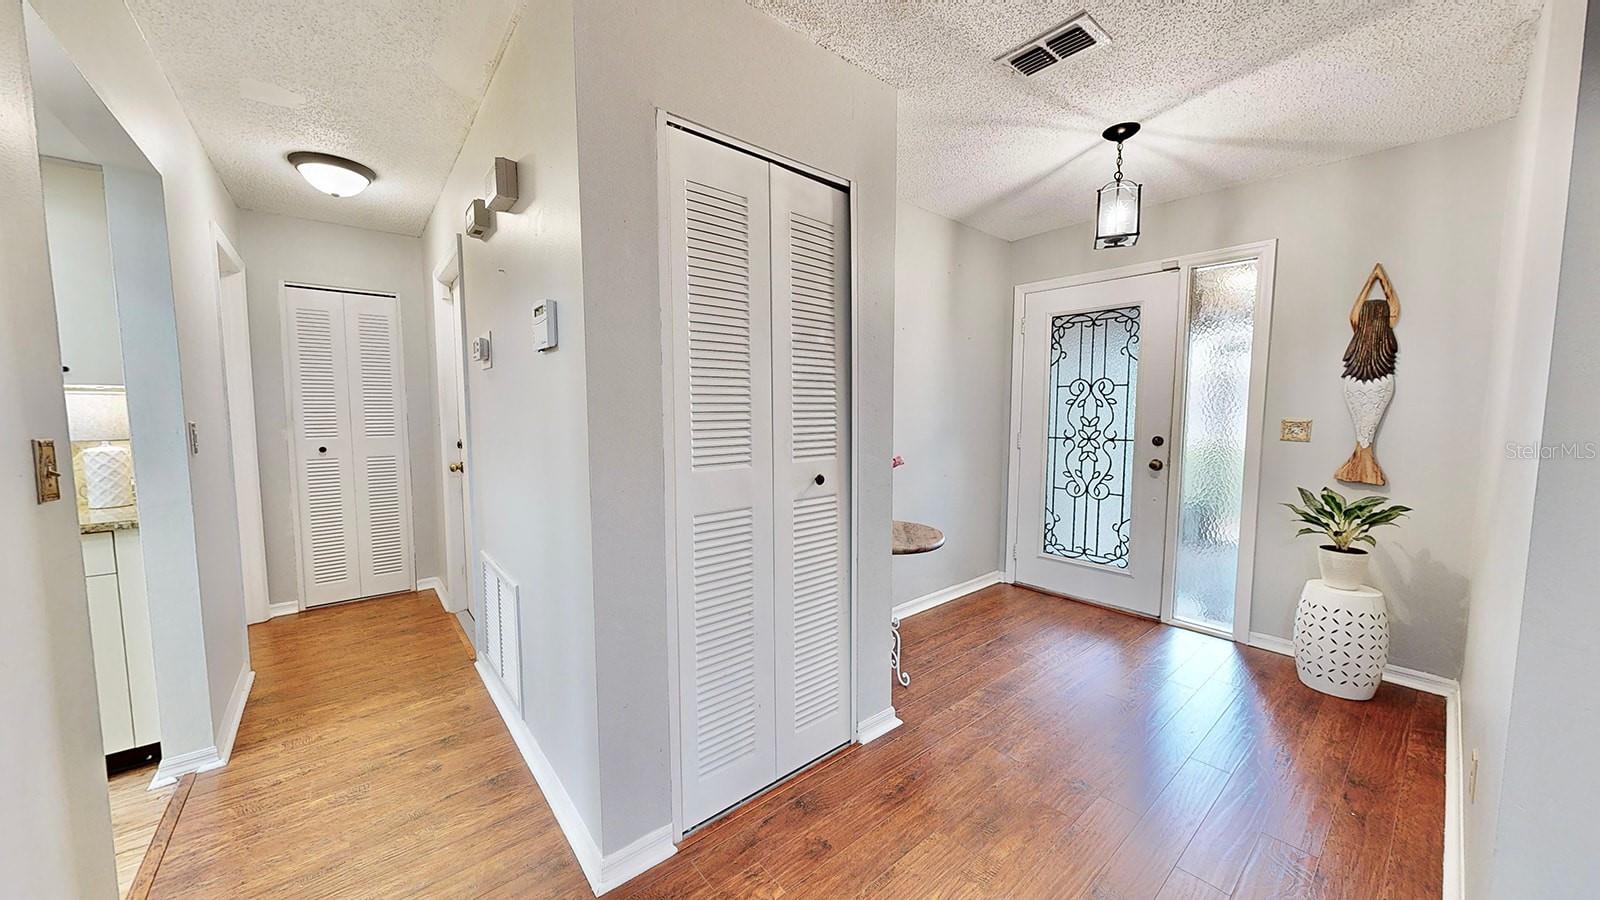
{"x": 544, "y": 325}
{"x": 480, "y": 350}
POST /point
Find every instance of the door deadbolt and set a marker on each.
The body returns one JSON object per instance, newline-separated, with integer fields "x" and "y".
{"x": 1158, "y": 440}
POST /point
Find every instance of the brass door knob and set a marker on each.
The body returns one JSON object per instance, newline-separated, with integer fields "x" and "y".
{"x": 1156, "y": 465}
{"x": 458, "y": 467}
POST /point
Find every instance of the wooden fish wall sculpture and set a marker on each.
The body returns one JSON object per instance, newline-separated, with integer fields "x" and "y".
{"x": 1369, "y": 365}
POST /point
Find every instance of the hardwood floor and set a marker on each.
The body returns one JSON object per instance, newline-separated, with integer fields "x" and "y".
{"x": 135, "y": 813}
{"x": 370, "y": 763}
{"x": 1050, "y": 749}
{"x": 1053, "y": 749}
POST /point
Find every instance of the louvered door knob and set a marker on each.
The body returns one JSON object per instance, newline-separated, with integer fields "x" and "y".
{"x": 819, "y": 479}
{"x": 322, "y": 449}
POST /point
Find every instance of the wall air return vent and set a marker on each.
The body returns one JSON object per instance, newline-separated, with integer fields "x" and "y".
{"x": 1075, "y": 35}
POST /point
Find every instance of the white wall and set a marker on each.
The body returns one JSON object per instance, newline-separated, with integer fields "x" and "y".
{"x": 952, "y": 357}
{"x": 1515, "y": 412}
{"x": 80, "y": 269}
{"x": 731, "y": 68}
{"x": 277, "y": 249}
{"x": 55, "y": 834}
{"x": 102, "y": 38}
{"x": 1432, "y": 214}
{"x": 528, "y": 441}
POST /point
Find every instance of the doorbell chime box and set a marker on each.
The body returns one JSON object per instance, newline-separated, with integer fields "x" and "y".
{"x": 500, "y": 187}
{"x": 544, "y": 325}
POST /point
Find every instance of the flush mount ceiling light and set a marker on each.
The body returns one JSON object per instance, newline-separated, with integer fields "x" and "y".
{"x": 1117, "y": 204}
{"x": 333, "y": 175}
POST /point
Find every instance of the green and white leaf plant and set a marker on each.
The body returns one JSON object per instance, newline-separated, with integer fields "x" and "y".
{"x": 1345, "y": 523}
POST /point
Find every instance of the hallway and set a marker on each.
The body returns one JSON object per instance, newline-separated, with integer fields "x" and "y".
{"x": 371, "y": 762}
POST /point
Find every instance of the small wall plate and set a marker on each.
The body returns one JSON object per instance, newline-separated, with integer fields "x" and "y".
{"x": 1296, "y": 430}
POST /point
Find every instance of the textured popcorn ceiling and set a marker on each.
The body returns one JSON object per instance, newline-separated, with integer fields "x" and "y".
{"x": 392, "y": 84}
{"x": 1228, "y": 91}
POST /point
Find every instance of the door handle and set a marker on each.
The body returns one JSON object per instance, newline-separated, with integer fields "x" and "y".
{"x": 1157, "y": 465}
{"x": 819, "y": 479}
{"x": 458, "y": 467}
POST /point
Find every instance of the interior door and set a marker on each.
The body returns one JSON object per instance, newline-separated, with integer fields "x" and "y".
{"x": 452, "y": 422}
{"x": 810, "y": 389}
{"x": 1097, "y": 387}
{"x": 318, "y": 390}
{"x": 377, "y": 427}
{"x": 720, "y": 257}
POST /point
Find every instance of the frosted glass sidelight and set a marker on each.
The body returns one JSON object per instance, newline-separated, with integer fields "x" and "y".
{"x": 1094, "y": 370}
{"x": 1215, "y": 402}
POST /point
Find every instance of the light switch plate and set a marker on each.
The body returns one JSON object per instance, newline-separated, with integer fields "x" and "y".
{"x": 1295, "y": 430}
{"x": 46, "y": 473}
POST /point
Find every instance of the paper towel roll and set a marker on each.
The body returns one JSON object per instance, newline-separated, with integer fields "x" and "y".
{"x": 107, "y": 476}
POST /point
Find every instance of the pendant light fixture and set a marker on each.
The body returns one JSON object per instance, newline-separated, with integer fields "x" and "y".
{"x": 1117, "y": 204}
{"x": 332, "y": 175}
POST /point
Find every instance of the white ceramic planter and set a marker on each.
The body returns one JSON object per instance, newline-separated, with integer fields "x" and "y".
{"x": 1343, "y": 571}
{"x": 1341, "y": 640}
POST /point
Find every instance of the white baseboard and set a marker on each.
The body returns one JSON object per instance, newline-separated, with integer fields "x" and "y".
{"x": 651, "y": 849}
{"x": 1411, "y": 678}
{"x": 234, "y": 714}
{"x": 174, "y": 767}
{"x": 286, "y": 608}
{"x": 877, "y": 725}
{"x": 945, "y": 595}
{"x": 603, "y": 872}
{"x": 1455, "y": 807}
{"x": 216, "y": 756}
{"x": 437, "y": 586}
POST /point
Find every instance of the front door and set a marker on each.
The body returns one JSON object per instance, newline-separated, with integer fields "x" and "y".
{"x": 1097, "y": 384}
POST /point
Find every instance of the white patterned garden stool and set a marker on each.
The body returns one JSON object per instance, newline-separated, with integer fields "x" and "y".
{"x": 1341, "y": 640}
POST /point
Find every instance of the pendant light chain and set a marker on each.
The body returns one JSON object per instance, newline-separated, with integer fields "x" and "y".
{"x": 1118, "y": 177}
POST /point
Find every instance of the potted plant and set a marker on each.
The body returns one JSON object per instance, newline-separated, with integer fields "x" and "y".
{"x": 1345, "y": 523}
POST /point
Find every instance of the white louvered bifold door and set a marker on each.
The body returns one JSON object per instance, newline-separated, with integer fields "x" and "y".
{"x": 722, "y": 348}
{"x": 383, "y": 518}
{"x": 318, "y": 386}
{"x": 810, "y": 389}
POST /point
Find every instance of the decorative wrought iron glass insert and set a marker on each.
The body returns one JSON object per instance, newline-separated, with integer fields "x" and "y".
{"x": 1094, "y": 373}
{"x": 1216, "y": 400}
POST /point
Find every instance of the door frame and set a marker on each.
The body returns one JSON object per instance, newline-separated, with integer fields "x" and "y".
{"x": 1266, "y": 251}
{"x": 665, "y": 122}
{"x": 238, "y": 382}
{"x": 289, "y": 430}
{"x": 450, "y": 276}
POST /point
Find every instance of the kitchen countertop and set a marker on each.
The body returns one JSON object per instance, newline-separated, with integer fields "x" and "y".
{"x": 95, "y": 521}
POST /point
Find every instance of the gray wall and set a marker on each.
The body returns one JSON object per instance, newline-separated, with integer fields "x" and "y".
{"x": 731, "y": 68}
{"x": 952, "y": 375}
{"x": 1545, "y": 845}
{"x": 528, "y": 442}
{"x": 106, "y": 44}
{"x": 1515, "y": 409}
{"x": 277, "y": 249}
{"x": 55, "y": 835}
{"x": 1432, "y": 214}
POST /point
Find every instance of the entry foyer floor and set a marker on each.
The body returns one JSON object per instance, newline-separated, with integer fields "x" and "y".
{"x": 1051, "y": 749}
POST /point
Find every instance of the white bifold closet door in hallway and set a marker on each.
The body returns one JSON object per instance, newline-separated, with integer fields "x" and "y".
{"x": 353, "y": 482}
{"x": 759, "y": 258}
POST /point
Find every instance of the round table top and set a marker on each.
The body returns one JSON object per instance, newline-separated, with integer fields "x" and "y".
{"x": 915, "y": 537}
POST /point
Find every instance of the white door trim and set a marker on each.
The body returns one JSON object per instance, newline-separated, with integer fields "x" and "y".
{"x": 238, "y": 382}
{"x": 295, "y": 485}
{"x": 664, "y": 122}
{"x": 449, "y": 276}
{"x": 1266, "y": 251}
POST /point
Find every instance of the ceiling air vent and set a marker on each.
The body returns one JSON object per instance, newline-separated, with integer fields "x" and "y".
{"x": 1075, "y": 35}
